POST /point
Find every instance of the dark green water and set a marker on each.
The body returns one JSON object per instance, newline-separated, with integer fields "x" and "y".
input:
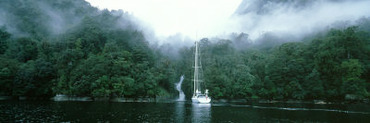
{"x": 47, "y": 111}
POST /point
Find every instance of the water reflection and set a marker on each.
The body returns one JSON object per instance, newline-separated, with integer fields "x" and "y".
{"x": 201, "y": 113}
{"x": 180, "y": 112}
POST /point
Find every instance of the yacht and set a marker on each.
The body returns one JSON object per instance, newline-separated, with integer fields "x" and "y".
{"x": 198, "y": 96}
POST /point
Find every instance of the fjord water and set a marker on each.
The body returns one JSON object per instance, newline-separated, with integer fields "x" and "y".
{"x": 47, "y": 111}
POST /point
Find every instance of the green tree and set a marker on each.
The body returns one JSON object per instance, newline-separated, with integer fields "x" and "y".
{"x": 4, "y": 36}
{"x": 313, "y": 85}
{"x": 24, "y": 82}
{"x": 352, "y": 83}
{"x": 8, "y": 72}
{"x": 23, "y": 49}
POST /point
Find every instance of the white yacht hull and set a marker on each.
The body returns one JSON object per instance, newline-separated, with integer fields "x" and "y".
{"x": 201, "y": 100}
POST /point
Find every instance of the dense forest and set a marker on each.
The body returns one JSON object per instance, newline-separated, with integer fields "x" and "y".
{"x": 333, "y": 65}
{"x": 69, "y": 47}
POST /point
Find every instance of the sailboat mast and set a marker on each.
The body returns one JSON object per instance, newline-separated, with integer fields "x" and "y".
{"x": 196, "y": 68}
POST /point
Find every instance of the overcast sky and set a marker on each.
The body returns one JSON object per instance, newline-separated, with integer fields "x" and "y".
{"x": 206, "y": 18}
{"x": 193, "y": 18}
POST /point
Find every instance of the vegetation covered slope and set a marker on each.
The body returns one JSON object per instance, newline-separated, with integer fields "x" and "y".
{"x": 68, "y": 47}
{"x": 329, "y": 66}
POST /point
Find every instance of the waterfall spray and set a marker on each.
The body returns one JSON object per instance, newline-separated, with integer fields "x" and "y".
{"x": 178, "y": 88}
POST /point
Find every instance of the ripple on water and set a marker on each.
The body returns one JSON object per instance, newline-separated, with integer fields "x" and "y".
{"x": 26, "y": 111}
{"x": 300, "y": 109}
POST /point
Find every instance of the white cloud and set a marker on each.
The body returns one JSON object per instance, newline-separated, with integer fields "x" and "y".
{"x": 193, "y": 18}
{"x": 205, "y": 18}
{"x": 299, "y": 21}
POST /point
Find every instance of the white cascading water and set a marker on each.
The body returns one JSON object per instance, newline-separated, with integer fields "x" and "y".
{"x": 178, "y": 88}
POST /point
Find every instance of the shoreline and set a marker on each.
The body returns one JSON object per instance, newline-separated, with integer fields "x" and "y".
{"x": 264, "y": 101}
{"x": 66, "y": 98}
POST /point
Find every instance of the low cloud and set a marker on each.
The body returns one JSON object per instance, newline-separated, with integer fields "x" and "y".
{"x": 296, "y": 18}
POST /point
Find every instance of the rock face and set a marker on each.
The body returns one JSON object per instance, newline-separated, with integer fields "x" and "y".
{"x": 319, "y": 102}
{"x": 352, "y": 97}
{"x": 133, "y": 100}
{"x": 61, "y": 97}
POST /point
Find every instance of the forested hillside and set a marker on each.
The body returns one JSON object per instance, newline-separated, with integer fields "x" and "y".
{"x": 69, "y": 47}
{"x": 50, "y": 47}
{"x": 331, "y": 66}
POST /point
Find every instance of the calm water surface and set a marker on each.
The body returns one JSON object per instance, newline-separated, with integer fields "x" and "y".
{"x": 47, "y": 111}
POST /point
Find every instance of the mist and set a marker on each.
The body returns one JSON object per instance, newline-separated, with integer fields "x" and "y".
{"x": 170, "y": 25}
{"x": 193, "y": 19}
{"x": 199, "y": 19}
{"x": 296, "y": 18}
{"x": 55, "y": 18}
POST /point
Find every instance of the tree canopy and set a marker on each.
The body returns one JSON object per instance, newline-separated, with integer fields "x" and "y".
{"x": 69, "y": 47}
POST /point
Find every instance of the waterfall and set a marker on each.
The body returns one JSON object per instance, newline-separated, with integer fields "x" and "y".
{"x": 178, "y": 88}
